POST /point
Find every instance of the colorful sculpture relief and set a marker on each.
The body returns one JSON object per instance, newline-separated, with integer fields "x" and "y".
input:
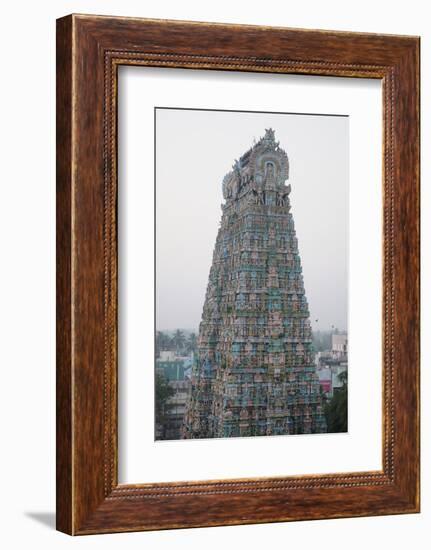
{"x": 254, "y": 371}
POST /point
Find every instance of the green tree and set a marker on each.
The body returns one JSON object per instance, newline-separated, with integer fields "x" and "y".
{"x": 336, "y": 408}
{"x": 192, "y": 342}
{"x": 342, "y": 377}
{"x": 179, "y": 340}
{"x": 163, "y": 392}
{"x": 160, "y": 336}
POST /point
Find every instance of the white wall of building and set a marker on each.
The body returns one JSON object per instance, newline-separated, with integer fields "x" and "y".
{"x": 339, "y": 342}
{"x": 167, "y": 355}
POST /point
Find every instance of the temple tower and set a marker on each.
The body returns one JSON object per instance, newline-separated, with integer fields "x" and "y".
{"x": 254, "y": 371}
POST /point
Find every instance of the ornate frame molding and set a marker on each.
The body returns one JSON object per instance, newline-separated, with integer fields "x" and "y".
{"x": 90, "y": 49}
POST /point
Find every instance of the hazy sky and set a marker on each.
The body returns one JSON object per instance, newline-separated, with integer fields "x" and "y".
{"x": 194, "y": 150}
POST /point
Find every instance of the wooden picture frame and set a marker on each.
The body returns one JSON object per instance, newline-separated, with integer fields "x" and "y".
{"x": 89, "y": 51}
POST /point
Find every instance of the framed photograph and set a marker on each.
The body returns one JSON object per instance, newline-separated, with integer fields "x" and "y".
{"x": 237, "y": 274}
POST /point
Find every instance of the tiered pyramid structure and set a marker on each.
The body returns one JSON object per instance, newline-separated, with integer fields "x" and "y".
{"x": 254, "y": 371}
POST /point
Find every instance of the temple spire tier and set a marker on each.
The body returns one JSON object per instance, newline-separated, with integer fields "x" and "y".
{"x": 254, "y": 371}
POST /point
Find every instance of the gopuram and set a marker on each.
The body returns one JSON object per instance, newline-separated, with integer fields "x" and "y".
{"x": 254, "y": 371}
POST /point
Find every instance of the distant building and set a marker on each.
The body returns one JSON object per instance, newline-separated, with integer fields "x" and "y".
{"x": 339, "y": 343}
{"x": 167, "y": 355}
{"x": 332, "y": 363}
{"x": 325, "y": 380}
{"x": 173, "y": 369}
{"x": 176, "y": 370}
